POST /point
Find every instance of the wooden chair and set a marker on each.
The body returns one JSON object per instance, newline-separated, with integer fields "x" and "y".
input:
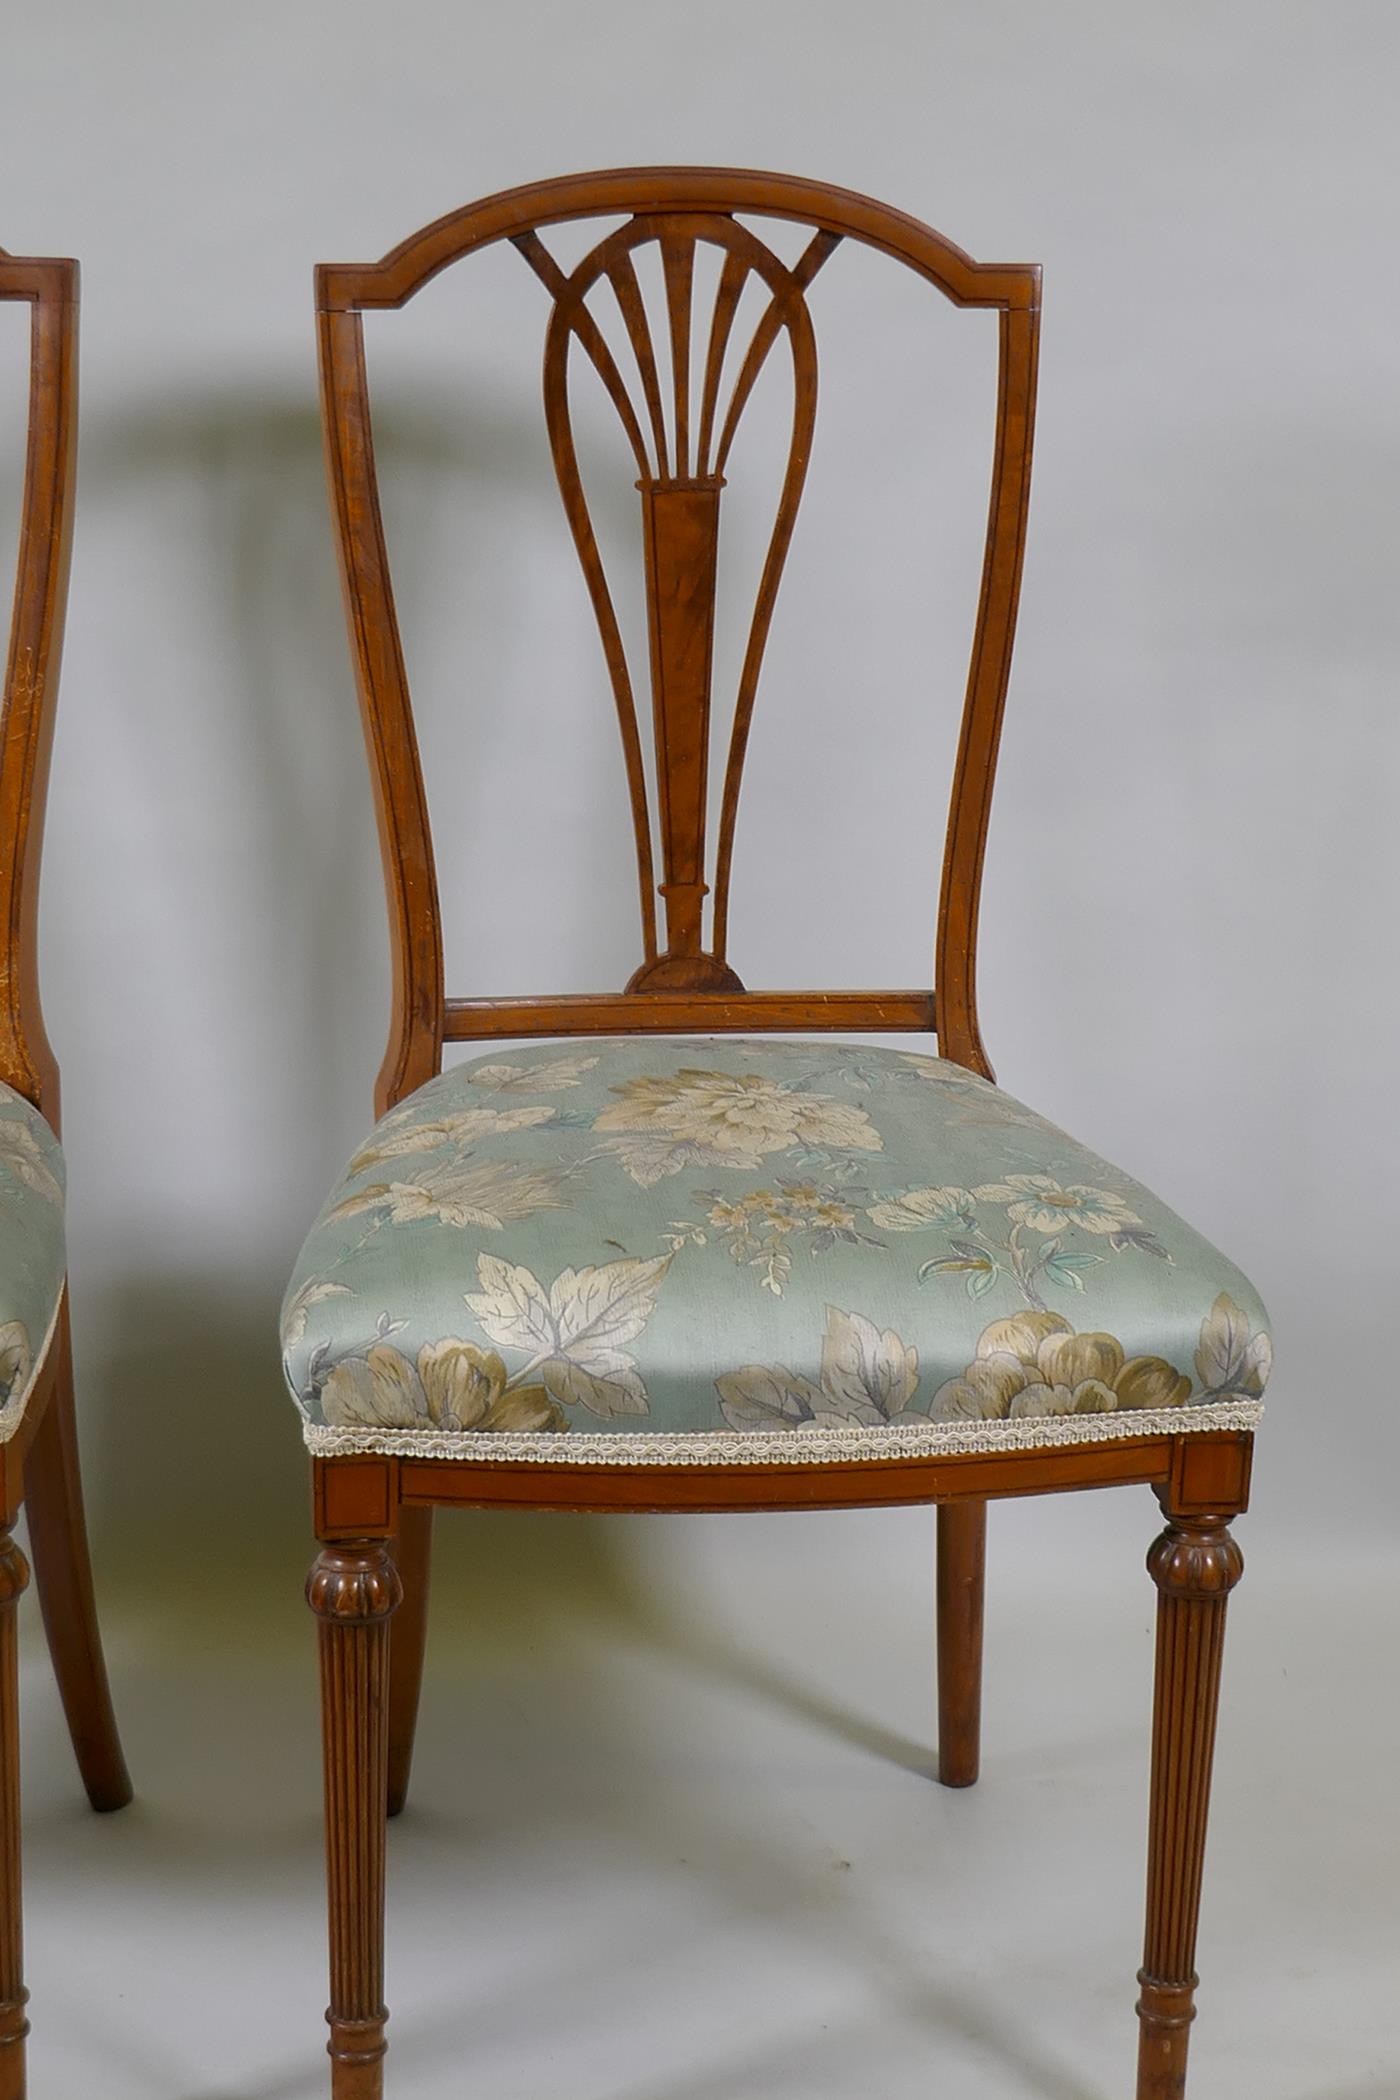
{"x": 459, "y": 1189}
{"x": 39, "y": 1454}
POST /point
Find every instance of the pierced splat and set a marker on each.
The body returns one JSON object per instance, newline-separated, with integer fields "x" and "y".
{"x": 680, "y": 485}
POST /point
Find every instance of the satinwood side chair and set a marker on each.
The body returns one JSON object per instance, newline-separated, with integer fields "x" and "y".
{"x": 668, "y": 1262}
{"x": 38, "y": 1440}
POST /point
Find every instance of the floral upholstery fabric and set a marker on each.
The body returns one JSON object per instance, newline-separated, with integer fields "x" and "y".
{"x": 669, "y": 1251}
{"x": 32, "y": 1260}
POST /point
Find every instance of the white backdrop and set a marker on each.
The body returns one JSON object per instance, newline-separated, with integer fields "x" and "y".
{"x": 1192, "y": 876}
{"x": 1188, "y": 931}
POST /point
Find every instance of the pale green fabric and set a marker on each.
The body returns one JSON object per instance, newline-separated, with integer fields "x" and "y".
{"x": 32, "y": 1259}
{"x": 649, "y": 1247}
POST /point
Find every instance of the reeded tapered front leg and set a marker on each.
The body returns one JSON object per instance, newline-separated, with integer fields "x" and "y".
{"x": 962, "y": 1561}
{"x": 353, "y": 1589}
{"x": 1195, "y": 1565}
{"x": 14, "y": 2026}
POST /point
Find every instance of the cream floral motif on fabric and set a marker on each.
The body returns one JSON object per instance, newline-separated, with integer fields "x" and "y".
{"x": 887, "y": 1246}
{"x": 32, "y": 1259}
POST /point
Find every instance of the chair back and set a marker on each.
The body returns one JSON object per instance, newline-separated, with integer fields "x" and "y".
{"x": 681, "y": 415}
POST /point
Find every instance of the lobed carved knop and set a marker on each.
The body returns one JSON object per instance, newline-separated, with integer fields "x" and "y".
{"x": 1196, "y": 1559}
{"x": 356, "y": 1583}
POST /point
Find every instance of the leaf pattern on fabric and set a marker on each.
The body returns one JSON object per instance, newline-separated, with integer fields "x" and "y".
{"x": 918, "y": 1208}
{"x": 26, "y": 1161}
{"x": 490, "y": 1193}
{"x": 575, "y": 1330}
{"x": 982, "y": 1252}
{"x": 16, "y": 1358}
{"x": 867, "y": 1377}
{"x": 1229, "y": 1359}
{"x": 550, "y": 1076}
{"x": 32, "y": 1255}
{"x": 461, "y": 1128}
{"x": 298, "y": 1308}
{"x": 865, "y": 1237}
{"x": 453, "y": 1386}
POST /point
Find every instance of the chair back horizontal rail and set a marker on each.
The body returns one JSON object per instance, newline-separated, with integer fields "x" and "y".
{"x": 678, "y": 1013}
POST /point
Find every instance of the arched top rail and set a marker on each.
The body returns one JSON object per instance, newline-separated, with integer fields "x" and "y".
{"x": 393, "y": 281}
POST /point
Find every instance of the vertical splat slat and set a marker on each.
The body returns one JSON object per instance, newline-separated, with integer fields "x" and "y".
{"x": 590, "y": 337}
{"x": 678, "y": 263}
{"x": 732, "y": 279}
{"x": 804, "y": 413}
{"x": 776, "y": 316}
{"x": 681, "y": 530}
{"x": 623, "y": 278}
{"x": 561, "y": 438}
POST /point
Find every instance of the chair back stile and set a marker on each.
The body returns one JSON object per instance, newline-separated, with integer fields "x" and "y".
{"x": 50, "y": 286}
{"x": 680, "y": 432}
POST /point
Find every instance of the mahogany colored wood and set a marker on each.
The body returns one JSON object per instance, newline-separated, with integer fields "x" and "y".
{"x": 1211, "y": 1473}
{"x": 1195, "y": 1565}
{"x": 14, "y": 2023}
{"x": 31, "y": 670}
{"x": 680, "y": 478}
{"x": 962, "y": 1560}
{"x": 407, "y": 1644}
{"x": 675, "y": 1012}
{"x": 877, "y": 1483}
{"x": 354, "y": 1590}
{"x": 681, "y": 433}
{"x": 355, "y": 1499}
{"x": 40, "y": 1464}
{"x": 58, "y": 1546}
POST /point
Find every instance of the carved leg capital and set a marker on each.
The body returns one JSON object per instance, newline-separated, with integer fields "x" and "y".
{"x": 14, "y": 2025}
{"x": 1196, "y": 1558}
{"x": 1195, "y": 1565}
{"x": 354, "y": 1583}
{"x": 354, "y": 1589}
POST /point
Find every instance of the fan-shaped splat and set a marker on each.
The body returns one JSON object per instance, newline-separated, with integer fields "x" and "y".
{"x": 681, "y": 451}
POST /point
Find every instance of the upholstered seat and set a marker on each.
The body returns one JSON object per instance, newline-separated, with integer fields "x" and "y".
{"x": 668, "y": 1250}
{"x": 32, "y": 1259}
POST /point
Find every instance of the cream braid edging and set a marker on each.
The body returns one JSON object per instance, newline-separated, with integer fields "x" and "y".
{"x": 783, "y": 1447}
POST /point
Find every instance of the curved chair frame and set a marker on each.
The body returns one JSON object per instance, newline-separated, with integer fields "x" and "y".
{"x": 373, "y": 1514}
{"x": 39, "y": 1465}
